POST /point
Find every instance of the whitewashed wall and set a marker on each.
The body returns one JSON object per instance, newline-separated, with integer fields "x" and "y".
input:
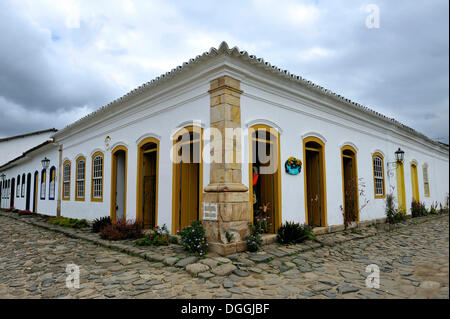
{"x": 261, "y": 102}
{"x": 15, "y": 147}
{"x": 31, "y": 165}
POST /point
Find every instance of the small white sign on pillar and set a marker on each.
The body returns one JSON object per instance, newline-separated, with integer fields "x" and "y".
{"x": 209, "y": 211}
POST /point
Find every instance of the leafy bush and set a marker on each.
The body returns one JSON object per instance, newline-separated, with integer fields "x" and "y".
{"x": 68, "y": 222}
{"x": 229, "y": 236}
{"x": 99, "y": 223}
{"x": 254, "y": 241}
{"x": 418, "y": 209}
{"x": 156, "y": 237}
{"x": 393, "y": 215}
{"x": 122, "y": 230}
{"x": 433, "y": 209}
{"x": 292, "y": 233}
{"x": 193, "y": 238}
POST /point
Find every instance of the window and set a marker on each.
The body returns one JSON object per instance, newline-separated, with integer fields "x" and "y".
{"x": 378, "y": 175}
{"x": 51, "y": 191}
{"x": 22, "y": 192}
{"x": 9, "y": 188}
{"x": 18, "y": 186}
{"x": 80, "y": 177}
{"x": 97, "y": 177}
{"x": 43, "y": 181}
{"x": 66, "y": 181}
{"x": 426, "y": 183}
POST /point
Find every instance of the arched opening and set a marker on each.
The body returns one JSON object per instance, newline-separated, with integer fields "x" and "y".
{"x": 350, "y": 184}
{"x": 119, "y": 183}
{"x": 187, "y": 177}
{"x": 13, "y": 184}
{"x": 35, "y": 191}
{"x": 28, "y": 195}
{"x": 315, "y": 182}
{"x": 265, "y": 175}
{"x": 148, "y": 168}
{"x": 415, "y": 182}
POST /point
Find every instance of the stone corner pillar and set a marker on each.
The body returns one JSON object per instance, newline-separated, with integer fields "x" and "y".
{"x": 225, "y": 189}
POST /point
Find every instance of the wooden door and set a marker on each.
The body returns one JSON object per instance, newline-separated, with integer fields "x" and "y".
{"x": 350, "y": 187}
{"x": 313, "y": 182}
{"x": 149, "y": 188}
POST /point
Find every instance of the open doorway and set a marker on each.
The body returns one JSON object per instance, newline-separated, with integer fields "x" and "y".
{"x": 13, "y": 189}
{"x": 35, "y": 191}
{"x": 264, "y": 171}
{"x": 315, "y": 191}
{"x": 119, "y": 183}
{"x": 28, "y": 195}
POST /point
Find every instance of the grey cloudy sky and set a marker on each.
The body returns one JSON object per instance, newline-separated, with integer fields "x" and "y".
{"x": 60, "y": 60}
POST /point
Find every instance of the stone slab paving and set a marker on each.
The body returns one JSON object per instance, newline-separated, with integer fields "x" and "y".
{"x": 413, "y": 260}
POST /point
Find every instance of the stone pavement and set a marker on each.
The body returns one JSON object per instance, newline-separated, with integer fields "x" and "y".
{"x": 413, "y": 260}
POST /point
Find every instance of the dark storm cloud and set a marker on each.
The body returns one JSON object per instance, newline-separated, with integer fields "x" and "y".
{"x": 400, "y": 69}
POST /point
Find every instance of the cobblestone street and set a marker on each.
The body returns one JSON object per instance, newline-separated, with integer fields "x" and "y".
{"x": 414, "y": 263}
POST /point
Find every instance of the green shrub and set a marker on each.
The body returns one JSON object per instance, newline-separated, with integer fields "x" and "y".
{"x": 173, "y": 240}
{"x": 122, "y": 230}
{"x": 292, "y": 233}
{"x": 433, "y": 209}
{"x": 254, "y": 241}
{"x": 68, "y": 222}
{"x": 393, "y": 215}
{"x": 418, "y": 209}
{"x": 193, "y": 238}
{"x": 156, "y": 237}
{"x": 99, "y": 223}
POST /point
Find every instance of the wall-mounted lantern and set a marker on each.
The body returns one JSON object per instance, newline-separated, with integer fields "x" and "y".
{"x": 399, "y": 155}
{"x": 45, "y": 163}
{"x": 3, "y": 177}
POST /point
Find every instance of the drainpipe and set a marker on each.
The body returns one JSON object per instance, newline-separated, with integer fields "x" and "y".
{"x": 58, "y": 203}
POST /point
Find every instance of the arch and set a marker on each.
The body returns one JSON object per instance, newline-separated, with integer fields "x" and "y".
{"x": 315, "y": 179}
{"x": 80, "y": 178}
{"x": 349, "y": 171}
{"x": 377, "y": 150}
{"x": 148, "y": 136}
{"x": 117, "y": 144}
{"x": 349, "y": 144}
{"x": 266, "y": 181}
{"x": 97, "y": 176}
{"x": 114, "y": 180}
{"x": 67, "y": 172}
{"x": 183, "y": 205}
{"x": 95, "y": 151}
{"x": 379, "y": 188}
{"x": 264, "y": 122}
{"x": 318, "y": 136}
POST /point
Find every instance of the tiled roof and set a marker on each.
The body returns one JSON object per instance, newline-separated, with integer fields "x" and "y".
{"x": 224, "y": 49}
{"x": 28, "y": 134}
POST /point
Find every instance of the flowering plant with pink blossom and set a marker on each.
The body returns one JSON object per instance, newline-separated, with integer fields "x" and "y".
{"x": 193, "y": 238}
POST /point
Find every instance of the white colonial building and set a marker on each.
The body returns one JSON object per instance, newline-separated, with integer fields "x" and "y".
{"x": 117, "y": 160}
